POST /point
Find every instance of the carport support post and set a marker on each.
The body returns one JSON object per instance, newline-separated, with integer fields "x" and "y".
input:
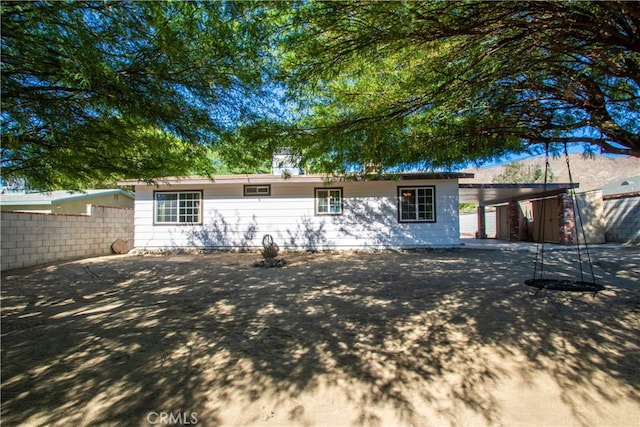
{"x": 566, "y": 220}
{"x": 482, "y": 223}
{"x": 514, "y": 221}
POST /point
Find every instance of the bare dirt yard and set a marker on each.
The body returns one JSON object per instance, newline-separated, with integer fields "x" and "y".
{"x": 451, "y": 338}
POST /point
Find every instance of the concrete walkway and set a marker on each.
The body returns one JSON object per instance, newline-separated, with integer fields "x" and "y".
{"x": 505, "y": 245}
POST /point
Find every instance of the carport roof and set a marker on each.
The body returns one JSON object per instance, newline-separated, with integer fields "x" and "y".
{"x": 494, "y": 194}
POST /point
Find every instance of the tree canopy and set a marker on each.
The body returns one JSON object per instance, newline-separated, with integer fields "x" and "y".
{"x": 389, "y": 84}
{"x": 96, "y": 91}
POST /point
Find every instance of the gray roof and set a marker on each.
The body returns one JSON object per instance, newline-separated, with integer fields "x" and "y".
{"x": 294, "y": 179}
{"x": 57, "y": 196}
{"x": 622, "y": 186}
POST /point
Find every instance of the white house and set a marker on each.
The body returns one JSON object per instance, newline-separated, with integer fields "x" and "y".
{"x": 414, "y": 210}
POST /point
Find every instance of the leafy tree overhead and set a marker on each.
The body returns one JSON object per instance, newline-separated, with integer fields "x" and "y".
{"x": 390, "y": 84}
{"x": 96, "y": 91}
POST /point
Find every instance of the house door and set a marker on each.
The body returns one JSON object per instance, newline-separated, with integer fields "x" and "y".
{"x": 502, "y": 222}
{"x": 545, "y": 213}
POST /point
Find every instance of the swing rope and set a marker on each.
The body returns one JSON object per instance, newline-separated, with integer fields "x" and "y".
{"x": 538, "y": 280}
{"x": 576, "y": 209}
{"x": 540, "y": 239}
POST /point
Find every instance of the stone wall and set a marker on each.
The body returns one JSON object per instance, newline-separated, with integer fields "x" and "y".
{"x": 566, "y": 220}
{"x": 34, "y": 238}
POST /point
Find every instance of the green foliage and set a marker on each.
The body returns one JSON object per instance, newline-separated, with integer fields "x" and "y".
{"x": 468, "y": 207}
{"x": 433, "y": 84}
{"x": 97, "y": 91}
{"x": 518, "y": 173}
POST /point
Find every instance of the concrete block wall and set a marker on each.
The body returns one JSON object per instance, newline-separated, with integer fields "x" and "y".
{"x": 622, "y": 218}
{"x": 469, "y": 224}
{"x": 29, "y": 239}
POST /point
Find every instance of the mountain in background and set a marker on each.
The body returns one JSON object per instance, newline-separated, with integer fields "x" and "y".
{"x": 590, "y": 172}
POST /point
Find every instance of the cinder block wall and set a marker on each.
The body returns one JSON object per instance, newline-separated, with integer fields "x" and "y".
{"x": 34, "y": 238}
{"x": 622, "y": 218}
{"x": 469, "y": 224}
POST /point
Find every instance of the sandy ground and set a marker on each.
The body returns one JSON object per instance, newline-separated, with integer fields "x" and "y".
{"x": 395, "y": 338}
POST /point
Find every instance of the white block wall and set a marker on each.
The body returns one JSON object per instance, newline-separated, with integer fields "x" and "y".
{"x": 233, "y": 221}
{"x": 469, "y": 224}
{"x": 622, "y": 219}
{"x": 34, "y": 238}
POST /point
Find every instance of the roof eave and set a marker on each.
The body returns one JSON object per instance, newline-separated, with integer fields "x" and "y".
{"x": 313, "y": 178}
{"x": 71, "y": 197}
{"x": 81, "y": 195}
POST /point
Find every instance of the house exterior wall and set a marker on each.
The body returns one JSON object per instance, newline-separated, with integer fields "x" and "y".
{"x": 234, "y": 221}
{"x": 33, "y": 238}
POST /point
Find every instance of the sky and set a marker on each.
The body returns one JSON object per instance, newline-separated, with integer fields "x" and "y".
{"x": 573, "y": 149}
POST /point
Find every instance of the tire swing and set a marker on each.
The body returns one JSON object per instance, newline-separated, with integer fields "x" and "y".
{"x": 538, "y": 280}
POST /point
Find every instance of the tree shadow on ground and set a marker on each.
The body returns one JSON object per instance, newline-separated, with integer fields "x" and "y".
{"x": 219, "y": 233}
{"x": 110, "y": 340}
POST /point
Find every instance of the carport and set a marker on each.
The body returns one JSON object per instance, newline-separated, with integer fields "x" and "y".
{"x": 549, "y": 202}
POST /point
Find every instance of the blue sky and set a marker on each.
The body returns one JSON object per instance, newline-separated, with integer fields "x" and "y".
{"x": 573, "y": 149}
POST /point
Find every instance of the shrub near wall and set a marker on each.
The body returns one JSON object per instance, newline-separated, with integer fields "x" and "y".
{"x": 33, "y": 238}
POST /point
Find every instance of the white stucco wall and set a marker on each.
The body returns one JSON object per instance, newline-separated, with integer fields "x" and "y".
{"x": 369, "y": 219}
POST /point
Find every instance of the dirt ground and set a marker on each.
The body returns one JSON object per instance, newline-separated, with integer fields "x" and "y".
{"x": 432, "y": 338}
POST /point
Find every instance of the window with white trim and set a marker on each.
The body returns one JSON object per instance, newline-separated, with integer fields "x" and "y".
{"x": 173, "y": 207}
{"x": 416, "y": 204}
{"x": 328, "y": 201}
{"x": 257, "y": 190}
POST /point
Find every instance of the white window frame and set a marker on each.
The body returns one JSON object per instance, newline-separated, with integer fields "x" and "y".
{"x": 325, "y": 201}
{"x": 257, "y": 190}
{"x": 187, "y": 209}
{"x": 420, "y": 213}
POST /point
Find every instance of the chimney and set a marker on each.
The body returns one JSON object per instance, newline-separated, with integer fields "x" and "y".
{"x": 284, "y": 163}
